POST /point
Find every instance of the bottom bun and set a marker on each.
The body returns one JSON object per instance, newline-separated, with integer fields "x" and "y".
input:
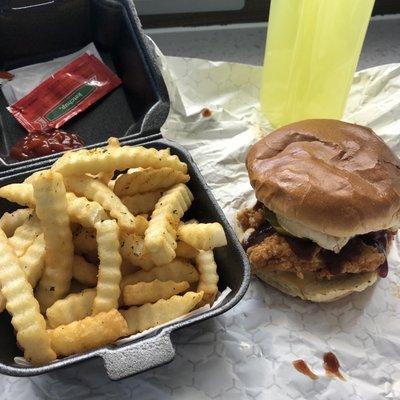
{"x": 313, "y": 289}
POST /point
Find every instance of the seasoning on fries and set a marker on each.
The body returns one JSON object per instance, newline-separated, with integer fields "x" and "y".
{"x": 160, "y": 236}
{"x": 102, "y": 247}
{"x": 144, "y": 317}
{"x": 9, "y": 222}
{"x": 150, "y": 292}
{"x": 141, "y": 203}
{"x": 25, "y": 235}
{"x": 74, "y": 307}
{"x": 88, "y": 333}
{"x": 23, "y": 307}
{"x": 208, "y": 279}
{"x": 51, "y": 209}
{"x": 148, "y": 180}
{"x": 109, "y": 278}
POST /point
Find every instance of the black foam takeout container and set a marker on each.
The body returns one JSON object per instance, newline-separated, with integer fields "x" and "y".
{"x": 33, "y": 31}
{"x": 135, "y": 111}
{"x": 156, "y": 348}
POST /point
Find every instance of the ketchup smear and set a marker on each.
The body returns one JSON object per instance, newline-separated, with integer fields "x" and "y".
{"x": 38, "y": 144}
{"x": 304, "y": 369}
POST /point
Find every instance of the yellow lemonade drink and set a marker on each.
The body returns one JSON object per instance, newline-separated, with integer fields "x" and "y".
{"x": 312, "y": 51}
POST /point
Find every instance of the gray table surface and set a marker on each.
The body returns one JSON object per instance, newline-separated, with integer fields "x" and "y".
{"x": 245, "y": 43}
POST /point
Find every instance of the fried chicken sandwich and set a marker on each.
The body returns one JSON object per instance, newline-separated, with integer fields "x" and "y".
{"x": 328, "y": 207}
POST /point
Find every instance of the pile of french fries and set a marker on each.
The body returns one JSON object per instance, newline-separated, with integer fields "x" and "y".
{"x": 100, "y": 250}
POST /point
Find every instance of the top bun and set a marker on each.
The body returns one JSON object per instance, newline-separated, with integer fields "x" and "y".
{"x": 337, "y": 178}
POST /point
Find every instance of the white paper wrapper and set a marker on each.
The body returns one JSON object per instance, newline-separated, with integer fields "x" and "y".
{"x": 27, "y": 78}
{"x": 247, "y": 353}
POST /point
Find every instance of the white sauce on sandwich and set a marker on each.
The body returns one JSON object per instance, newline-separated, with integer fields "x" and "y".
{"x": 324, "y": 240}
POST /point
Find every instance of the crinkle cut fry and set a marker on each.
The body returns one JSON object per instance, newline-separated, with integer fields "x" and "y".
{"x": 148, "y": 180}
{"x": 203, "y": 236}
{"x": 25, "y": 235}
{"x": 106, "y": 176}
{"x": 32, "y": 264}
{"x": 184, "y": 250}
{"x": 208, "y": 276}
{"x": 80, "y": 210}
{"x": 20, "y": 193}
{"x": 32, "y": 261}
{"x": 83, "y": 211}
{"x": 85, "y": 240}
{"x": 74, "y": 307}
{"x": 97, "y": 191}
{"x": 109, "y": 278}
{"x": 84, "y": 335}
{"x": 142, "y": 202}
{"x": 51, "y": 209}
{"x": 149, "y": 315}
{"x": 176, "y": 270}
{"x": 132, "y": 250}
{"x": 21, "y": 304}
{"x": 9, "y": 222}
{"x": 98, "y": 160}
{"x": 160, "y": 236}
{"x": 84, "y": 272}
{"x": 150, "y": 292}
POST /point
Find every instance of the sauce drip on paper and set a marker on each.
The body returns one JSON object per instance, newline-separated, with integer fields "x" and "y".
{"x": 304, "y": 369}
{"x": 206, "y": 112}
{"x": 332, "y": 366}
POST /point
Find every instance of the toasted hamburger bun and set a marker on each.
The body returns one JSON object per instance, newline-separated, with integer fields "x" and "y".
{"x": 329, "y": 176}
{"x": 320, "y": 291}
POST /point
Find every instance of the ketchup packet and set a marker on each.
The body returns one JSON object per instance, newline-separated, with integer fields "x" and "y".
{"x": 65, "y": 94}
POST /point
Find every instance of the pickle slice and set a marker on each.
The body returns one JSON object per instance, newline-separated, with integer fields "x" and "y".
{"x": 271, "y": 218}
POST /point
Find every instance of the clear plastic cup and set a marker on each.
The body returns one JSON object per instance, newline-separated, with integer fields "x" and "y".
{"x": 312, "y": 51}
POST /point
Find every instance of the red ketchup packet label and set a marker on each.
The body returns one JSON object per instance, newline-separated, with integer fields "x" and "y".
{"x": 65, "y": 94}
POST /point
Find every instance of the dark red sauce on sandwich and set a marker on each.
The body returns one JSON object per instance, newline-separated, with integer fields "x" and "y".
{"x": 334, "y": 261}
{"x": 258, "y": 206}
{"x": 256, "y": 237}
{"x": 303, "y": 248}
{"x": 381, "y": 241}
